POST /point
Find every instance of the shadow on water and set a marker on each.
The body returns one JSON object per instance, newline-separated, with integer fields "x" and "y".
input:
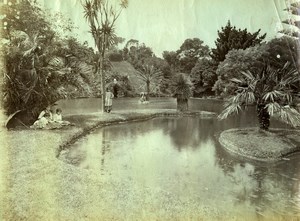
{"x": 183, "y": 157}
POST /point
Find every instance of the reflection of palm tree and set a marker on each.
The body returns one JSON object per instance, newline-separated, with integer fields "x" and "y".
{"x": 104, "y": 148}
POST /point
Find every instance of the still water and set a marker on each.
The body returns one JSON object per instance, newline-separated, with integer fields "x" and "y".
{"x": 182, "y": 157}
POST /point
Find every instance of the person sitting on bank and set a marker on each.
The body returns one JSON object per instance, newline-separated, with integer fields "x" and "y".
{"x": 143, "y": 99}
{"x": 57, "y": 118}
{"x": 44, "y": 118}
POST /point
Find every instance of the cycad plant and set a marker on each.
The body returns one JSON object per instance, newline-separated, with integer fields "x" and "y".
{"x": 182, "y": 90}
{"x": 272, "y": 91}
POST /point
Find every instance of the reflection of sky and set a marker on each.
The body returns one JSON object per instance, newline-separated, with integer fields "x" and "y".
{"x": 146, "y": 155}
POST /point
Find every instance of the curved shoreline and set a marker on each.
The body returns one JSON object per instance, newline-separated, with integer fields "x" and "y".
{"x": 127, "y": 118}
{"x": 36, "y": 184}
{"x": 265, "y": 146}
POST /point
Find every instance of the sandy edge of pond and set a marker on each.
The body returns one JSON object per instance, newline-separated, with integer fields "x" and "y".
{"x": 267, "y": 146}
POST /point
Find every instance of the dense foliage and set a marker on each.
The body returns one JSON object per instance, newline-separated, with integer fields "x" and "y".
{"x": 229, "y": 37}
{"x": 271, "y": 90}
{"x": 42, "y": 65}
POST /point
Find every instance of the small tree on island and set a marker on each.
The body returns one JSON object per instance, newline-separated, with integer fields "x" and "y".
{"x": 182, "y": 90}
{"x": 101, "y": 16}
{"x": 272, "y": 90}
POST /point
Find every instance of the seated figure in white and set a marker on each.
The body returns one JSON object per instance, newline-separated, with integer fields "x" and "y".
{"x": 44, "y": 118}
{"x": 57, "y": 118}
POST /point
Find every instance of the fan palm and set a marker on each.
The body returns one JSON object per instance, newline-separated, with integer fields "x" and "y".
{"x": 272, "y": 91}
{"x": 149, "y": 75}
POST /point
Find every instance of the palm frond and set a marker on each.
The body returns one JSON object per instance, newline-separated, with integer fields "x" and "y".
{"x": 289, "y": 115}
{"x": 232, "y": 108}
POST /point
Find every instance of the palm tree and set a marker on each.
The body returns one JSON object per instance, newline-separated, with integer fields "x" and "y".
{"x": 149, "y": 75}
{"x": 273, "y": 92}
{"x": 182, "y": 90}
{"x": 101, "y": 16}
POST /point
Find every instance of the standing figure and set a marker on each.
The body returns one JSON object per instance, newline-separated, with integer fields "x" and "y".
{"x": 108, "y": 100}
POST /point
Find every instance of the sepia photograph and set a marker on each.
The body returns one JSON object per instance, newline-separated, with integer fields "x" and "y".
{"x": 150, "y": 110}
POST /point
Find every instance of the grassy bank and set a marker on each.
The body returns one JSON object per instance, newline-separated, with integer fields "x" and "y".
{"x": 257, "y": 144}
{"x": 35, "y": 185}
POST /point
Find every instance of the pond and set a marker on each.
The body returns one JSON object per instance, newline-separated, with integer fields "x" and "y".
{"x": 182, "y": 158}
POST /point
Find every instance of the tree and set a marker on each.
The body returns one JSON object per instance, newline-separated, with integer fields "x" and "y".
{"x": 203, "y": 77}
{"x": 272, "y": 92}
{"x": 101, "y": 16}
{"x": 190, "y": 52}
{"x": 276, "y": 53}
{"x": 33, "y": 72}
{"x": 232, "y": 38}
{"x": 150, "y": 75}
{"x": 235, "y": 63}
{"x": 182, "y": 90}
{"x": 137, "y": 54}
{"x": 171, "y": 58}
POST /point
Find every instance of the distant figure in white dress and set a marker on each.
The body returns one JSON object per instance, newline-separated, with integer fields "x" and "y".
{"x": 108, "y": 100}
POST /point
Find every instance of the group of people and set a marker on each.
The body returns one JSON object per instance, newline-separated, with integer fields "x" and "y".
{"x": 49, "y": 120}
{"x": 143, "y": 99}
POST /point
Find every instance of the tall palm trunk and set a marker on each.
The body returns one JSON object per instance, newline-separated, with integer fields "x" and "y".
{"x": 263, "y": 116}
{"x": 182, "y": 104}
{"x": 101, "y": 72}
{"x": 148, "y": 91}
{"x": 102, "y": 85}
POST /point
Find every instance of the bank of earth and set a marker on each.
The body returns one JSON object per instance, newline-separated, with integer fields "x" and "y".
{"x": 254, "y": 143}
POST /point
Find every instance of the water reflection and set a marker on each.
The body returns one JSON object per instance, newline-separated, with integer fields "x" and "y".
{"x": 181, "y": 157}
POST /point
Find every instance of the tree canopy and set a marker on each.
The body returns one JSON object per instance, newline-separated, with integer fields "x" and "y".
{"x": 229, "y": 37}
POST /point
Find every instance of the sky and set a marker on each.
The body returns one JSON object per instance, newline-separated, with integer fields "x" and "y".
{"x": 163, "y": 25}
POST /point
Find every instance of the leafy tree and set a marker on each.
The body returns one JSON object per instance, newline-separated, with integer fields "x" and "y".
{"x": 235, "y": 63}
{"x": 203, "y": 77}
{"x": 101, "y": 16}
{"x": 138, "y": 53}
{"x": 172, "y": 59}
{"x": 232, "y": 38}
{"x": 182, "y": 90}
{"x": 276, "y": 53}
{"x": 122, "y": 85}
{"x": 190, "y": 52}
{"x": 271, "y": 90}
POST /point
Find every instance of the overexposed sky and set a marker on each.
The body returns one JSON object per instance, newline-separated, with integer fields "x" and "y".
{"x": 165, "y": 24}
